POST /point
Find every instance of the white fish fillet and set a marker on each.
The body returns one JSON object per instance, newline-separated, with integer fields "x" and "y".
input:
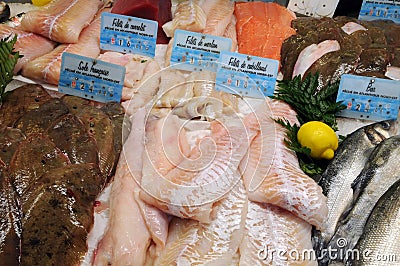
{"x": 47, "y": 67}
{"x": 393, "y": 72}
{"x": 230, "y": 32}
{"x": 312, "y": 53}
{"x": 272, "y": 173}
{"x": 173, "y": 89}
{"x": 28, "y": 44}
{"x": 193, "y": 243}
{"x": 219, "y": 15}
{"x": 274, "y": 236}
{"x": 189, "y": 190}
{"x": 188, "y": 15}
{"x": 351, "y": 27}
{"x": 61, "y": 20}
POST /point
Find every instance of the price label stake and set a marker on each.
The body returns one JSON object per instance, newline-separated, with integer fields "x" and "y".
{"x": 127, "y": 34}
{"x": 369, "y": 98}
{"x": 386, "y": 9}
{"x": 91, "y": 78}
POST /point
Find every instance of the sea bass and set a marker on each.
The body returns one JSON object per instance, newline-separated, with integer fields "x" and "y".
{"x": 349, "y": 161}
{"x": 381, "y": 232}
{"x": 379, "y": 174}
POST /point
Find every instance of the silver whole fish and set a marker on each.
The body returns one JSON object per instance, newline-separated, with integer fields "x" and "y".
{"x": 381, "y": 238}
{"x": 349, "y": 161}
{"x": 378, "y": 175}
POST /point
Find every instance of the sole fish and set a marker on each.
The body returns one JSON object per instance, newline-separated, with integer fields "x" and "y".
{"x": 272, "y": 173}
{"x": 61, "y": 21}
{"x": 10, "y": 138}
{"x": 378, "y": 175}
{"x": 274, "y": 236}
{"x": 24, "y": 45}
{"x": 381, "y": 232}
{"x": 350, "y": 159}
{"x": 20, "y": 101}
{"x": 216, "y": 243}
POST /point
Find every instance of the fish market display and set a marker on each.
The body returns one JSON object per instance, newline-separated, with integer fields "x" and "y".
{"x": 61, "y": 20}
{"x": 158, "y": 10}
{"x": 366, "y": 48}
{"x": 266, "y": 227}
{"x": 380, "y": 234}
{"x": 24, "y": 45}
{"x": 51, "y": 172}
{"x": 349, "y": 160}
{"x": 378, "y": 175}
{"x": 47, "y": 67}
{"x": 262, "y": 28}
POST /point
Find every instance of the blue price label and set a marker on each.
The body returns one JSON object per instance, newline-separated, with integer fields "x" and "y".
{"x": 127, "y": 34}
{"x": 387, "y": 9}
{"x": 369, "y": 98}
{"x": 246, "y": 75}
{"x": 193, "y": 51}
{"x": 91, "y": 78}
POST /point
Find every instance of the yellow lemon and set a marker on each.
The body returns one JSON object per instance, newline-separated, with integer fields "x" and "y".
{"x": 319, "y": 138}
{"x": 40, "y": 2}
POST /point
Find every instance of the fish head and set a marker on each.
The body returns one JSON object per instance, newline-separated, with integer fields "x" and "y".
{"x": 381, "y": 130}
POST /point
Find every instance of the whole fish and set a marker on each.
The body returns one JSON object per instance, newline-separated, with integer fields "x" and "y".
{"x": 9, "y": 141}
{"x": 349, "y": 161}
{"x": 378, "y": 175}
{"x": 381, "y": 233}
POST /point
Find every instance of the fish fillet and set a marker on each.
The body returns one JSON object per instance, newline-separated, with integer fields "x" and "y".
{"x": 61, "y": 20}
{"x": 272, "y": 173}
{"x": 47, "y": 67}
{"x": 193, "y": 243}
{"x": 127, "y": 237}
{"x": 24, "y": 45}
{"x": 262, "y": 28}
{"x": 188, "y": 15}
{"x": 230, "y": 33}
{"x": 219, "y": 15}
{"x": 312, "y": 53}
{"x": 203, "y": 177}
{"x": 274, "y": 236}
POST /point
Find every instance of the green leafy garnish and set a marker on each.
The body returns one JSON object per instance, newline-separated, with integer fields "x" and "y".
{"x": 8, "y": 60}
{"x": 309, "y": 103}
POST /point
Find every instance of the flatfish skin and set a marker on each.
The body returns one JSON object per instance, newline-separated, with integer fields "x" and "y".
{"x": 20, "y": 101}
{"x": 34, "y": 157}
{"x": 9, "y": 141}
{"x": 100, "y": 126}
{"x": 67, "y": 193}
{"x": 39, "y": 119}
{"x": 69, "y": 134}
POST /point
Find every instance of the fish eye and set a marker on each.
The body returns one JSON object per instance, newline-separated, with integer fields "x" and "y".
{"x": 385, "y": 125}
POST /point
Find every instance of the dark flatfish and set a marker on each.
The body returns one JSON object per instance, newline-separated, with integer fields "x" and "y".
{"x": 20, "y": 101}
{"x": 121, "y": 126}
{"x": 67, "y": 193}
{"x": 39, "y": 119}
{"x": 9, "y": 141}
{"x": 71, "y": 137}
{"x": 99, "y": 125}
{"x": 34, "y": 157}
{"x": 10, "y": 226}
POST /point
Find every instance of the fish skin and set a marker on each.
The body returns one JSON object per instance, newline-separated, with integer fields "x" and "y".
{"x": 36, "y": 155}
{"x": 378, "y": 175}
{"x": 99, "y": 125}
{"x": 381, "y": 232}
{"x": 347, "y": 164}
{"x": 39, "y": 119}
{"x": 20, "y": 101}
{"x": 9, "y": 141}
{"x": 70, "y": 135}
